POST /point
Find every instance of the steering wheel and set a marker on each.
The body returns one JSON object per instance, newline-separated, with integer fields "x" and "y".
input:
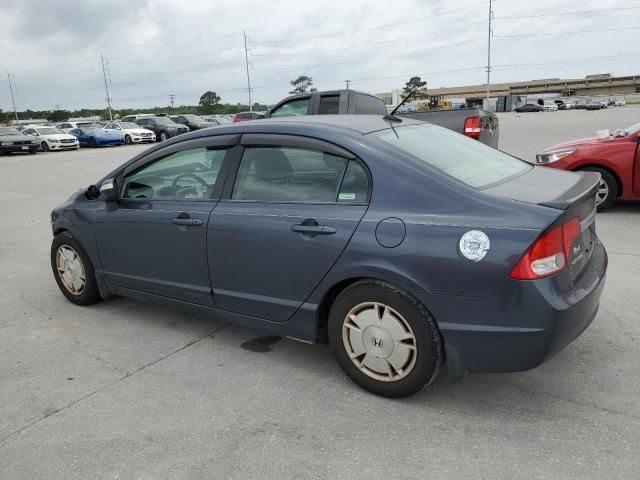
{"x": 200, "y": 180}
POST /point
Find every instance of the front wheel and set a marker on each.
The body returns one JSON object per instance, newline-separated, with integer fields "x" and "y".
{"x": 44, "y": 146}
{"x": 92, "y": 142}
{"x": 127, "y": 140}
{"x": 607, "y": 190}
{"x": 73, "y": 270}
{"x": 384, "y": 339}
{"x": 163, "y": 136}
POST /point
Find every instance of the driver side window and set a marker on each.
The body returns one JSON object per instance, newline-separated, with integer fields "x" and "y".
{"x": 185, "y": 175}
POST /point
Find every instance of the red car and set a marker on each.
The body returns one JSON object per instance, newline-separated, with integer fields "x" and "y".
{"x": 616, "y": 158}
{"x": 246, "y": 116}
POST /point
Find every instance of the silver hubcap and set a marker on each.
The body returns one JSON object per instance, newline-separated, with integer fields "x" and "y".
{"x": 379, "y": 341}
{"x": 70, "y": 270}
{"x": 603, "y": 192}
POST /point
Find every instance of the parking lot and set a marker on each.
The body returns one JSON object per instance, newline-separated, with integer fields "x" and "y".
{"x": 126, "y": 390}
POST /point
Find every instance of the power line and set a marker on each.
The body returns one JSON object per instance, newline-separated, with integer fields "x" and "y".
{"x": 173, "y": 59}
{"x": 373, "y": 58}
{"x": 566, "y": 33}
{"x": 225, "y": 74}
{"x": 199, "y": 67}
{"x": 583, "y": 12}
{"x": 372, "y": 28}
{"x": 309, "y": 52}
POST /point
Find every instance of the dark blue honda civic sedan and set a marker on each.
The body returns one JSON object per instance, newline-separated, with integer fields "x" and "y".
{"x": 404, "y": 244}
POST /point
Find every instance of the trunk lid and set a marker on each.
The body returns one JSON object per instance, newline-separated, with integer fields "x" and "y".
{"x": 573, "y": 194}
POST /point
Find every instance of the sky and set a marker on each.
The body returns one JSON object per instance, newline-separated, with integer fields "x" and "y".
{"x": 154, "y": 48}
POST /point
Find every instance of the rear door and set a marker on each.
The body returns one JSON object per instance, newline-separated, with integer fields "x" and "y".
{"x": 289, "y": 209}
{"x": 153, "y": 239}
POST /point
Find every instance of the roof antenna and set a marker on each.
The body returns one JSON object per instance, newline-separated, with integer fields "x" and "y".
{"x": 391, "y": 116}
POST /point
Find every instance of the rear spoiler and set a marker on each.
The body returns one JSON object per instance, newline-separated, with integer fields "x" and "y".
{"x": 583, "y": 189}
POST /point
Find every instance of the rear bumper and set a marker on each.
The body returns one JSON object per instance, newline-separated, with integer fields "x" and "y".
{"x": 522, "y": 326}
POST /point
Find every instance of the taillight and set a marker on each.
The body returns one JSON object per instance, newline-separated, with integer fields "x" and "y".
{"x": 549, "y": 253}
{"x": 472, "y": 127}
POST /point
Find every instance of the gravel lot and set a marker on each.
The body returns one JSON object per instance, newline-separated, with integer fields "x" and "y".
{"x": 125, "y": 390}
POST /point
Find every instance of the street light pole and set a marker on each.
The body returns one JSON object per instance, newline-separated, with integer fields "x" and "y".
{"x": 246, "y": 61}
{"x": 13, "y": 100}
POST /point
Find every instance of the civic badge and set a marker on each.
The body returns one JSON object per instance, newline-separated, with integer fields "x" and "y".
{"x": 474, "y": 245}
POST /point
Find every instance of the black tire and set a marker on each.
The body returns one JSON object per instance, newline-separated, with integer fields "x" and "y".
{"x": 127, "y": 140}
{"x": 611, "y": 185}
{"x": 89, "y": 294}
{"x": 163, "y": 136}
{"x": 44, "y": 146}
{"x": 92, "y": 142}
{"x": 428, "y": 344}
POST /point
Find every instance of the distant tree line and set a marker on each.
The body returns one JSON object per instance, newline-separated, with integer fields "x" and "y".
{"x": 209, "y": 104}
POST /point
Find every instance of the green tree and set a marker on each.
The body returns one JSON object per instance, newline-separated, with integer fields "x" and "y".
{"x": 301, "y": 84}
{"x": 58, "y": 115}
{"x": 415, "y": 84}
{"x": 3, "y": 116}
{"x": 209, "y": 102}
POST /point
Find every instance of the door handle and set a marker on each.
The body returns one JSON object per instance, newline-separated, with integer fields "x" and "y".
{"x": 183, "y": 218}
{"x": 313, "y": 229}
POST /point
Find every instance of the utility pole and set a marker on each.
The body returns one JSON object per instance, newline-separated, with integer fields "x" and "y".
{"x": 171, "y": 98}
{"x": 347, "y": 82}
{"x": 106, "y": 88}
{"x": 246, "y": 61}
{"x": 13, "y": 100}
{"x": 489, "y": 54}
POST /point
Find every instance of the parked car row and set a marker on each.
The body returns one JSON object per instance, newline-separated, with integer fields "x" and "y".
{"x": 555, "y": 105}
{"x": 132, "y": 129}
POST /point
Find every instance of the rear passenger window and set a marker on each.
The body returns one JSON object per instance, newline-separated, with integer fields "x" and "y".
{"x": 282, "y": 174}
{"x": 355, "y": 184}
{"x": 329, "y": 105}
{"x": 369, "y": 105}
{"x": 292, "y": 108}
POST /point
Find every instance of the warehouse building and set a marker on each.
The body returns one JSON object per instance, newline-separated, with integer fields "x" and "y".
{"x": 592, "y": 85}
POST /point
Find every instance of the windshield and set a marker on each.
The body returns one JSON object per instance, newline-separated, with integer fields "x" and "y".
{"x": 223, "y": 120}
{"x": 128, "y": 125}
{"x": 460, "y": 157}
{"x": 89, "y": 129}
{"x": 49, "y": 131}
{"x": 633, "y": 128}
{"x": 194, "y": 118}
{"x": 164, "y": 121}
{"x": 9, "y": 131}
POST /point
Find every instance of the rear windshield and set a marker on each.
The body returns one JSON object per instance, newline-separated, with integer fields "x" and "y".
{"x": 463, "y": 158}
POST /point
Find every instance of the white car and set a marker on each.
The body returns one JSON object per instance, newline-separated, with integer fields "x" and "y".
{"x": 66, "y": 127}
{"x": 550, "y": 107}
{"x": 51, "y": 138}
{"x": 620, "y": 103}
{"x": 131, "y": 132}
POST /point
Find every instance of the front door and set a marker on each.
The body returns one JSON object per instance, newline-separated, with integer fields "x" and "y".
{"x": 154, "y": 238}
{"x": 281, "y": 226}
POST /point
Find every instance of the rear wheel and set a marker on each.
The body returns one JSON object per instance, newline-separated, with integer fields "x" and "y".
{"x": 607, "y": 190}
{"x": 383, "y": 339}
{"x": 44, "y": 146}
{"x": 73, "y": 270}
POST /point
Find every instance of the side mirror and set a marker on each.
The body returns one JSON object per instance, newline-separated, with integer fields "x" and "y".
{"x": 108, "y": 191}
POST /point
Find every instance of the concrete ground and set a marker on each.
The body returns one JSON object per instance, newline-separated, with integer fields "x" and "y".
{"x": 125, "y": 390}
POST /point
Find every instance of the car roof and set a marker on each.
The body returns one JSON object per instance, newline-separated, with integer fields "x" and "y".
{"x": 359, "y": 123}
